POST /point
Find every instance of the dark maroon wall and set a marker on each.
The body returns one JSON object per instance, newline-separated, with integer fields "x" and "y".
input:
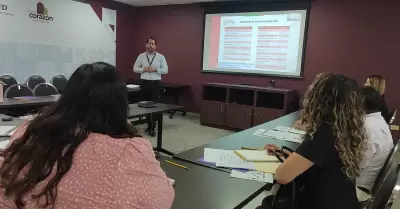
{"x": 355, "y": 38}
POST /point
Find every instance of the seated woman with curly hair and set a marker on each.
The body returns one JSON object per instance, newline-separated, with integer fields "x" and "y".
{"x": 327, "y": 162}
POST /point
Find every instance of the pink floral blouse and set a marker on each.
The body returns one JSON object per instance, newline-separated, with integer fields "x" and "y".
{"x": 109, "y": 173}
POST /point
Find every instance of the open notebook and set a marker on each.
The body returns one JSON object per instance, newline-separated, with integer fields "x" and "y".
{"x": 256, "y": 156}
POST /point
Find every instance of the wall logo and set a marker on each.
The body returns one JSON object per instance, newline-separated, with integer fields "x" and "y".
{"x": 3, "y": 7}
{"x": 4, "y": 10}
{"x": 41, "y": 13}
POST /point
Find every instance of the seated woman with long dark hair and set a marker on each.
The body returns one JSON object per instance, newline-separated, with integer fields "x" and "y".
{"x": 82, "y": 153}
{"x": 327, "y": 162}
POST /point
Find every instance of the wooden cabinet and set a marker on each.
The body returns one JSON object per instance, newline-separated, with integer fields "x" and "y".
{"x": 262, "y": 115}
{"x": 240, "y": 107}
{"x": 213, "y": 112}
{"x": 238, "y": 116}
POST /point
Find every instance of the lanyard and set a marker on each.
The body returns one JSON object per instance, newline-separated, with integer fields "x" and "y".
{"x": 148, "y": 59}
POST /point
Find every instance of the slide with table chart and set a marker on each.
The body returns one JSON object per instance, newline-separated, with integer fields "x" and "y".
{"x": 258, "y": 43}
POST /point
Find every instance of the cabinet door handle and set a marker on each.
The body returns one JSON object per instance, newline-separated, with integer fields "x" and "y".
{"x": 250, "y": 113}
{"x": 256, "y": 114}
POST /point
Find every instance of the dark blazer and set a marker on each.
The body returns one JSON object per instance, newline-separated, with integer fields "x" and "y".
{"x": 383, "y": 108}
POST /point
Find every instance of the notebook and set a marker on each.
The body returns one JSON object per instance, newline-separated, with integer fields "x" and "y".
{"x": 266, "y": 167}
{"x": 256, "y": 156}
{"x": 7, "y": 130}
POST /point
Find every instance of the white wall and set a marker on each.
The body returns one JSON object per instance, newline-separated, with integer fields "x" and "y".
{"x": 33, "y": 46}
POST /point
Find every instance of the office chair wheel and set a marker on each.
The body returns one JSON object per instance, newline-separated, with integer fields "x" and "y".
{"x": 171, "y": 116}
{"x": 184, "y": 114}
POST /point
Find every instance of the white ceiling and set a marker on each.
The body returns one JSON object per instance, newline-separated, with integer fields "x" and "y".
{"x": 143, "y": 3}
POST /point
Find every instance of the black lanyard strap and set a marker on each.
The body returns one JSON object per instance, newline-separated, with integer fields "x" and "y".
{"x": 152, "y": 60}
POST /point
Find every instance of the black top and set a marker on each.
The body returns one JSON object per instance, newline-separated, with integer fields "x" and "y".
{"x": 383, "y": 108}
{"x": 326, "y": 186}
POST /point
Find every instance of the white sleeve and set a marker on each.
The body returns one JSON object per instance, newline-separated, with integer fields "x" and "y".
{"x": 163, "y": 66}
{"x": 137, "y": 67}
{"x": 371, "y": 150}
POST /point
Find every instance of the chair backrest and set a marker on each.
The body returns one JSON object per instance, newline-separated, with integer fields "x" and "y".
{"x": 18, "y": 90}
{"x": 381, "y": 198}
{"x": 45, "y": 89}
{"x": 59, "y": 81}
{"x": 34, "y": 80}
{"x": 8, "y": 80}
{"x": 392, "y": 116}
{"x": 394, "y": 195}
{"x": 385, "y": 169}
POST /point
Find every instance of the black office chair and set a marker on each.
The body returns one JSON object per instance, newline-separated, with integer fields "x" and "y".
{"x": 394, "y": 195}
{"x": 34, "y": 80}
{"x": 18, "y": 90}
{"x": 8, "y": 81}
{"x": 385, "y": 169}
{"x": 45, "y": 89}
{"x": 381, "y": 198}
{"x": 382, "y": 176}
{"x": 60, "y": 82}
{"x": 392, "y": 116}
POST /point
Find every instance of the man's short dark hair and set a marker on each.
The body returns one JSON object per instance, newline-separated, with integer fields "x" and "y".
{"x": 151, "y": 38}
{"x": 372, "y": 99}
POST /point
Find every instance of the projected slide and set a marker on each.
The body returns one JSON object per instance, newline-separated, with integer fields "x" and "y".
{"x": 256, "y": 43}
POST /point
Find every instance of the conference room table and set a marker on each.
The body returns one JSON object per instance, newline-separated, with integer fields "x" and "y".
{"x": 245, "y": 138}
{"x": 28, "y": 102}
{"x": 173, "y": 89}
{"x": 135, "y": 112}
{"x": 201, "y": 187}
{"x": 154, "y": 112}
{"x": 214, "y": 185}
{"x": 38, "y": 101}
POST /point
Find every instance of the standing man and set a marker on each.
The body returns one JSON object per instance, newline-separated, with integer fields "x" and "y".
{"x": 151, "y": 65}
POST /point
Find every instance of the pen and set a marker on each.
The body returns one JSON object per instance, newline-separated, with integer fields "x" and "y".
{"x": 176, "y": 164}
{"x": 249, "y": 148}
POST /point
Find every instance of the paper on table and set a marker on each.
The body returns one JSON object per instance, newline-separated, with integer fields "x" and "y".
{"x": 282, "y": 128}
{"x": 3, "y": 144}
{"x": 259, "y": 132}
{"x": 283, "y": 136}
{"x": 226, "y": 158}
{"x": 253, "y": 175}
{"x": 295, "y": 131}
{"x": 214, "y": 155}
{"x": 7, "y": 130}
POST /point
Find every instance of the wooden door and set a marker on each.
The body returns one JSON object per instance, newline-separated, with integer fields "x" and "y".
{"x": 238, "y": 116}
{"x": 212, "y": 113}
{"x": 263, "y": 115}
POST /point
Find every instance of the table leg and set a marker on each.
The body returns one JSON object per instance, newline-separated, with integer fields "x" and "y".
{"x": 159, "y": 147}
{"x": 177, "y": 94}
